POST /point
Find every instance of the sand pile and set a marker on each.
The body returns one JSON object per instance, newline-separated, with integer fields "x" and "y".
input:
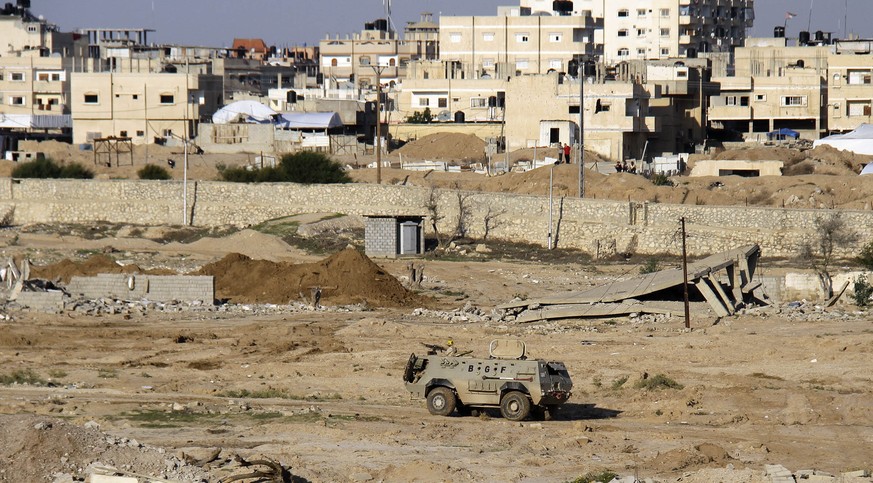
{"x": 67, "y": 269}
{"x": 250, "y": 243}
{"x": 348, "y": 277}
{"x": 447, "y": 146}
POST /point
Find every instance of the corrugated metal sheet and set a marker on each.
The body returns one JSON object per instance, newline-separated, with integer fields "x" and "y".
{"x": 39, "y": 121}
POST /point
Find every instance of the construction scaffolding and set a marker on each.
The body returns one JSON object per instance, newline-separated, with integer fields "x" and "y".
{"x": 104, "y": 148}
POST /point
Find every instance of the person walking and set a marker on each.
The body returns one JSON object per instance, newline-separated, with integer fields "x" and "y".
{"x": 567, "y": 153}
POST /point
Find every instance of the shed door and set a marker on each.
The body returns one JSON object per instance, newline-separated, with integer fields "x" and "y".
{"x": 408, "y": 238}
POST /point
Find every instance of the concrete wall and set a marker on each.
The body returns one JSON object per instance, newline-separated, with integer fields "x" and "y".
{"x": 158, "y": 288}
{"x": 645, "y": 228}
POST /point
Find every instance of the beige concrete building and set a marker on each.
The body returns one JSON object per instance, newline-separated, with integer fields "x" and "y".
{"x": 849, "y": 85}
{"x": 141, "y": 105}
{"x": 355, "y": 58}
{"x": 737, "y": 167}
{"x": 25, "y": 35}
{"x": 774, "y": 86}
{"x": 543, "y": 110}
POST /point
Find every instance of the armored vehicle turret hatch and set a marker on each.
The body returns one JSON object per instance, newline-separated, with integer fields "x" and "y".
{"x": 506, "y": 380}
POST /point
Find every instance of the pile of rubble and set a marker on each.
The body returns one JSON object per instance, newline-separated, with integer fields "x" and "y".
{"x": 469, "y": 313}
{"x": 804, "y": 311}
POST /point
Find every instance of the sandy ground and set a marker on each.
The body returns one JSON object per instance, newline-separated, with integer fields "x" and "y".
{"x": 757, "y": 389}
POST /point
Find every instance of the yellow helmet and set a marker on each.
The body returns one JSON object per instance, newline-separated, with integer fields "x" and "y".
{"x": 449, "y": 342}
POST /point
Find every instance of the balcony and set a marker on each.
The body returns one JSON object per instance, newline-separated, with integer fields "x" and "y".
{"x": 684, "y": 20}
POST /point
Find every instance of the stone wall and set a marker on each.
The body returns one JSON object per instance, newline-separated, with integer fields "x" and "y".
{"x": 380, "y": 237}
{"x": 594, "y": 226}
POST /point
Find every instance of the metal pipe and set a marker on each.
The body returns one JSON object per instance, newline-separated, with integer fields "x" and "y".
{"x": 685, "y": 276}
{"x": 551, "y": 203}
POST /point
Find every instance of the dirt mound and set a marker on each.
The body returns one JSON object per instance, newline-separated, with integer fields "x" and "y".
{"x": 706, "y": 454}
{"x": 251, "y": 243}
{"x": 67, "y": 269}
{"x": 347, "y": 277}
{"x": 446, "y": 145}
{"x": 38, "y": 449}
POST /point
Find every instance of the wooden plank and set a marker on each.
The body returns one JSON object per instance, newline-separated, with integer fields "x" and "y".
{"x": 837, "y": 295}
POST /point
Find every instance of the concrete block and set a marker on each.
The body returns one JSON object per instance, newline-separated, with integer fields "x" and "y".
{"x": 94, "y": 478}
{"x": 856, "y": 474}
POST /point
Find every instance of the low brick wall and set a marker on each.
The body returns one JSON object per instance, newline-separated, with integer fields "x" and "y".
{"x": 52, "y": 302}
{"x": 159, "y": 288}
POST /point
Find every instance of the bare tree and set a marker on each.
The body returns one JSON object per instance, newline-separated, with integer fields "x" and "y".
{"x": 433, "y": 209}
{"x": 465, "y": 212}
{"x": 492, "y": 220}
{"x": 830, "y": 233}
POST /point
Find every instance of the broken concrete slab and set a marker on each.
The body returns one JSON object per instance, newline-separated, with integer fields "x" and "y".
{"x": 739, "y": 266}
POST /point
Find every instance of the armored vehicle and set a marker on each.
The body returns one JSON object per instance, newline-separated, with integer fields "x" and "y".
{"x": 506, "y": 380}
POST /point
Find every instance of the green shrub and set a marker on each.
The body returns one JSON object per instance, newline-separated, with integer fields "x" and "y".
{"x": 661, "y": 179}
{"x": 863, "y": 291}
{"x": 48, "y": 169}
{"x": 659, "y": 381}
{"x": 650, "y": 266}
{"x": 303, "y": 167}
{"x": 866, "y": 256}
{"x": 420, "y": 117}
{"x": 22, "y": 376}
{"x": 153, "y": 171}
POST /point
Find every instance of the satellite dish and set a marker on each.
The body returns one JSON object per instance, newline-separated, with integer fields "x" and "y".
{"x": 444, "y": 116}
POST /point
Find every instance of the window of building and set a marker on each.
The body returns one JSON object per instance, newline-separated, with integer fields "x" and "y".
{"x": 665, "y": 51}
{"x": 555, "y": 37}
{"x": 478, "y": 102}
{"x": 789, "y": 101}
{"x": 91, "y": 98}
{"x": 602, "y": 106}
{"x": 522, "y": 38}
{"x": 443, "y": 102}
{"x": 681, "y": 74}
{"x": 135, "y": 97}
{"x": 665, "y": 13}
{"x": 333, "y": 62}
{"x": 623, "y": 52}
{"x": 1, "y": 76}
{"x": 641, "y": 32}
{"x": 730, "y": 101}
{"x": 641, "y": 12}
{"x": 744, "y": 101}
{"x": 123, "y": 134}
{"x": 455, "y": 38}
{"x": 622, "y": 33}
{"x": 140, "y": 134}
{"x": 858, "y": 108}
{"x": 521, "y": 63}
{"x": 364, "y": 60}
{"x": 168, "y": 133}
{"x": 42, "y": 77}
{"x": 168, "y": 99}
{"x": 761, "y": 97}
{"x": 488, "y": 62}
{"x": 641, "y": 51}
{"x": 16, "y": 77}
{"x": 624, "y": 13}
{"x": 488, "y": 36}
{"x": 32, "y": 28}
{"x": 424, "y": 101}
{"x": 665, "y": 32}
{"x": 859, "y": 77}
{"x": 16, "y": 100}
{"x": 555, "y": 64}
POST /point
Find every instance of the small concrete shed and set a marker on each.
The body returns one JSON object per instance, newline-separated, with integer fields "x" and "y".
{"x": 394, "y": 236}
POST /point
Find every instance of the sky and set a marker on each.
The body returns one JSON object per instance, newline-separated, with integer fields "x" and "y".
{"x": 215, "y": 23}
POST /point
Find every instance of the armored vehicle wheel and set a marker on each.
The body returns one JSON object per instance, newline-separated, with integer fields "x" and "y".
{"x": 515, "y": 406}
{"x": 441, "y": 401}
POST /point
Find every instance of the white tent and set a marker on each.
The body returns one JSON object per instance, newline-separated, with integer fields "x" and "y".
{"x": 867, "y": 169}
{"x": 243, "y": 111}
{"x": 859, "y": 141}
{"x": 310, "y": 120}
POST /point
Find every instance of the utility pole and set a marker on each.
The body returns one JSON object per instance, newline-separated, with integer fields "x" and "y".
{"x": 581, "y": 154}
{"x": 685, "y": 276}
{"x": 378, "y": 70}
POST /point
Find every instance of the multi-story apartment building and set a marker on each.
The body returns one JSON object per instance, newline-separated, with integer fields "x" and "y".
{"x": 356, "y": 58}
{"x": 774, "y": 86}
{"x": 542, "y": 35}
{"x": 141, "y": 105}
{"x": 849, "y": 85}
